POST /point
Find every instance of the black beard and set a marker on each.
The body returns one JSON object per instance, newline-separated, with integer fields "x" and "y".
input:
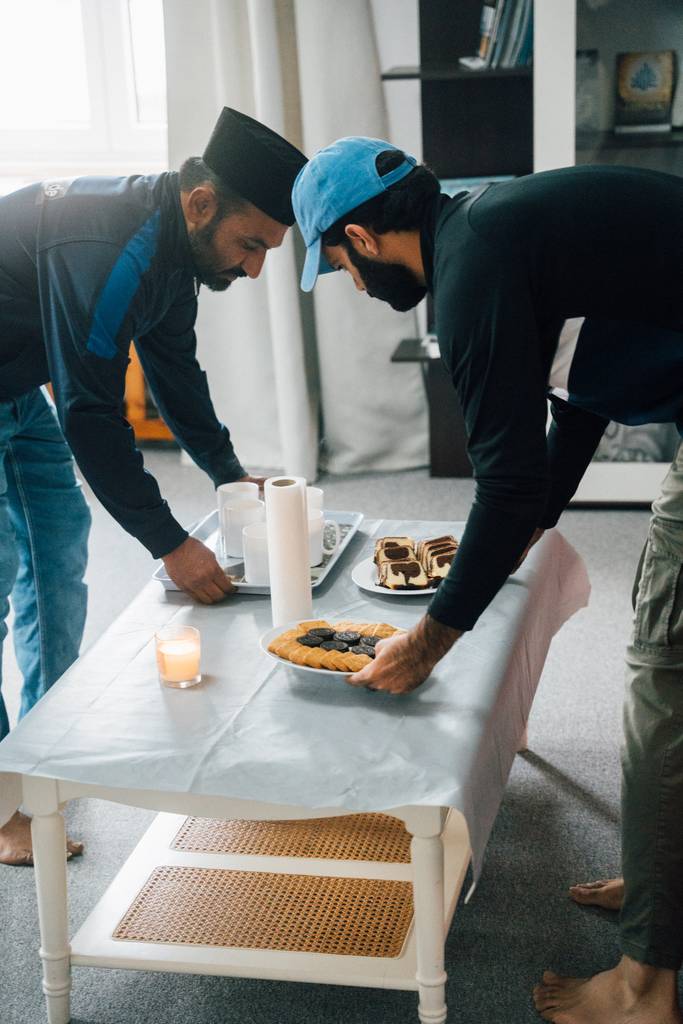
{"x": 205, "y": 262}
{"x": 390, "y": 282}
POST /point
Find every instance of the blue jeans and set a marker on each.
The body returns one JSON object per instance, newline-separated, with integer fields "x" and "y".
{"x": 44, "y": 526}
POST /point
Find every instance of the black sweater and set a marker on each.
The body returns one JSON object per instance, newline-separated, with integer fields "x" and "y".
{"x": 507, "y": 266}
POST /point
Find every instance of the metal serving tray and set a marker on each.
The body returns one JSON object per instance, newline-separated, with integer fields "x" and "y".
{"x": 207, "y": 531}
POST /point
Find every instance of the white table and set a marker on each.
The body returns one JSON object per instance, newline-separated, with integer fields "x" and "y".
{"x": 259, "y": 742}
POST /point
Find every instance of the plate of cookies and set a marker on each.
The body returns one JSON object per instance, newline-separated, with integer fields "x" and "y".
{"x": 328, "y": 648}
{"x": 403, "y": 566}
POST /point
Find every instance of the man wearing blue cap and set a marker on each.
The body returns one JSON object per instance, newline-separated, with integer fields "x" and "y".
{"x": 566, "y": 286}
{"x": 86, "y": 266}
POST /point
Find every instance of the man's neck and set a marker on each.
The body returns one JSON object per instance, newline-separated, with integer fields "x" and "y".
{"x": 404, "y": 247}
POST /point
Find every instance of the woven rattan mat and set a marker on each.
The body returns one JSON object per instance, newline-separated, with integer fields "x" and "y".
{"x": 370, "y": 837}
{"x": 262, "y": 910}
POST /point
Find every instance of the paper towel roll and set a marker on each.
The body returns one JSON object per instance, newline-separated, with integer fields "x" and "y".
{"x": 288, "y": 561}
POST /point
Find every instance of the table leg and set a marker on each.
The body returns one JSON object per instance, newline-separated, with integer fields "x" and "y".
{"x": 428, "y": 892}
{"x": 49, "y": 855}
{"x": 524, "y": 741}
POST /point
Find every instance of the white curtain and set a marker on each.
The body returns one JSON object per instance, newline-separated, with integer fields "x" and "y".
{"x": 333, "y": 353}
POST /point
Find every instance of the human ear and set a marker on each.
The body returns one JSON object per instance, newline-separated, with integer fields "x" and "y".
{"x": 201, "y": 205}
{"x": 363, "y": 241}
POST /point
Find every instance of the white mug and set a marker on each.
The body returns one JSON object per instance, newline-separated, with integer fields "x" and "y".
{"x": 316, "y": 537}
{"x": 233, "y": 520}
{"x": 255, "y": 544}
{"x": 314, "y": 499}
{"x": 239, "y": 490}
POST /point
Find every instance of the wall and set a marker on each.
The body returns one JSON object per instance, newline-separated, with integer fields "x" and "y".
{"x": 398, "y": 41}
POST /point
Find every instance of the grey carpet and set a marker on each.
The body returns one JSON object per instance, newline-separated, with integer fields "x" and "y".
{"x": 559, "y": 822}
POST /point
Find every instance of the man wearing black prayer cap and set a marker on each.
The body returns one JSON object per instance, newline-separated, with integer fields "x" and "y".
{"x": 87, "y": 266}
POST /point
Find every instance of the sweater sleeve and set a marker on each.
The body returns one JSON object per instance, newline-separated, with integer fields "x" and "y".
{"x": 179, "y": 385}
{"x": 488, "y": 338}
{"x": 87, "y": 336}
{"x": 573, "y": 437}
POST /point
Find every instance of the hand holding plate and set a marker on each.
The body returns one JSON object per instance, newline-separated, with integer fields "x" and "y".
{"x": 404, "y": 661}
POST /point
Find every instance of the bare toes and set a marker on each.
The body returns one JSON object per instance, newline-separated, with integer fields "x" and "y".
{"x": 17, "y": 858}
{"x": 543, "y": 1000}
{"x": 550, "y": 976}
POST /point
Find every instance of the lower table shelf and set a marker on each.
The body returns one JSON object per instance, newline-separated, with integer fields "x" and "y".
{"x": 333, "y": 920}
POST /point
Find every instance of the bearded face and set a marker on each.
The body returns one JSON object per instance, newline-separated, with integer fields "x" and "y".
{"x": 390, "y": 282}
{"x": 209, "y": 262}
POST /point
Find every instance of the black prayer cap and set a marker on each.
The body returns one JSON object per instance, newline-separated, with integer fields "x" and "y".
{"x": 256, "y": 162}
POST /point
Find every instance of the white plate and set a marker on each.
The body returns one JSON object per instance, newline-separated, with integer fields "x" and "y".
{"x": 364, "y": 575}
{"x": 268, "y": 638}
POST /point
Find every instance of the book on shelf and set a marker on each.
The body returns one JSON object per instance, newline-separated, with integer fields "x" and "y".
{"x": 480, "y": 59}
{"x": 508, "y": 54}
{"x": 488, "y": 15}
{"x": 645, "y": 89}
{"x": 502, "y": 33}
{"x": 506, "y": 36}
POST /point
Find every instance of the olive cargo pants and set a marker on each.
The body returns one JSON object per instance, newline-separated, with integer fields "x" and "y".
{"x": 652, "y": 755}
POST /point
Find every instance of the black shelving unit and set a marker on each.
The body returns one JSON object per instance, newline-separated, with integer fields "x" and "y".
{"x": 474, "y": 124}
{"x": 446, "y": 72}
{"x": 629, "y": 140}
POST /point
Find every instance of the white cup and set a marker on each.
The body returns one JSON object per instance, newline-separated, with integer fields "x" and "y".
{"x": 239, "y": 490}
{"x": 234, "y": 518}
{"x": 316, "y": 536}
{"x": 255, "y": 544}
{"x": 314, "y": 499}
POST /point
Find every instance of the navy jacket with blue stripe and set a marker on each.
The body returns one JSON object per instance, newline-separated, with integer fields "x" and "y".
{"x": 86, "y": 266}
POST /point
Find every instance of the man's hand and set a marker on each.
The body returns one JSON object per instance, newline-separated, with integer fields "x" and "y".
{"x": 194, "y": 569}
{"x": 537, "y": 534}
{"x": 404, "y": 661}
{"x": 260, "y": 480}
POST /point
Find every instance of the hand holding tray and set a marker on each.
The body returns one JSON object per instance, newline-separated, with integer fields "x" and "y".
{"x": 208, "y": 532}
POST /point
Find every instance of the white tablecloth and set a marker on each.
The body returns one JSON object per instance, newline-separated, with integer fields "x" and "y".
{"x": 254, "y": 730}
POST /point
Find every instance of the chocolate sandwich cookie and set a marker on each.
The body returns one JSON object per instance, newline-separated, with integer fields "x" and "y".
{"x": 370, "y": 641}
{"x": 333, "y": 645}
{"x": 347, "y": 638}
{"x": 324, "y": 632}
{"x": 363, "y": 649}
{"x": 308, "y": 640}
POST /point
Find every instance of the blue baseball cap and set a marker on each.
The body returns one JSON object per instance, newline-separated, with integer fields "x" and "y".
{"x": 336, "y": 180}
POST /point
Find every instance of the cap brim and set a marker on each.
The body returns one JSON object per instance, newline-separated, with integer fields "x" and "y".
{"x": 314, "y": 265}
{"x": 311, "y": 265}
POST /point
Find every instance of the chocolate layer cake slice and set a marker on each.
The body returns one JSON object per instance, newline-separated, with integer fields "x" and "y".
{"x": 383, "y": 543}
{"x": 395, "y": 553}
{"x": 438, "y": 564}
{"x": 428, "y": 547}
{"x": 405, "y": 575}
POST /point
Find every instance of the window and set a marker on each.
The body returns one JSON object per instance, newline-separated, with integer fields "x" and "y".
{"x": 43, "y": 74}
{"x": 82, "y": 89}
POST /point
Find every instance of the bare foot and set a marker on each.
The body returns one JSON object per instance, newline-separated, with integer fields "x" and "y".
{"x": 632, "y": 993}
{"x": 16, "y": 847}
{"x": 607, "y": 893}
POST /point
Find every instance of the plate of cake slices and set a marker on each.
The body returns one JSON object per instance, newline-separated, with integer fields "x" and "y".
{"x": 403, "y": 566}
{"x": 327, "y": 648}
